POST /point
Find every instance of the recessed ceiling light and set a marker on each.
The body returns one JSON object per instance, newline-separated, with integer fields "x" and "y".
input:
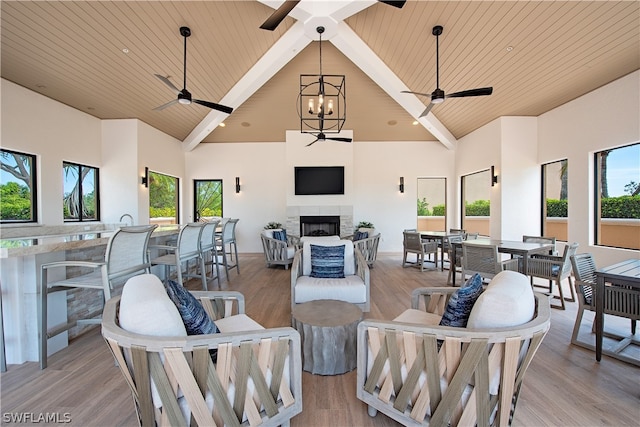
{"x": 222, "y": 125}
{"x": 509, "y": 48}
{"x": 245, "y": 124}
{"x": 392, "y": 122}
{"x": 125, "y": 50}
{"x": 415, "y": 123}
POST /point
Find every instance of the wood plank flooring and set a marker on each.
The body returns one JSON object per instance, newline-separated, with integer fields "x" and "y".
{"x": 565, "y": 386}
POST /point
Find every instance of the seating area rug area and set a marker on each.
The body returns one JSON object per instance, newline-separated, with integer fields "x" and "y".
{"x": 564, "y": 386}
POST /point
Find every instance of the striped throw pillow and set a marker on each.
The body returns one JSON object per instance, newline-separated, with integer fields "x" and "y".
{"x": 327, "y": 262}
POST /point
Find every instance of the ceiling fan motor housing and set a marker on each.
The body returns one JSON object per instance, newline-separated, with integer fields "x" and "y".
{"x": 437, "y": 96}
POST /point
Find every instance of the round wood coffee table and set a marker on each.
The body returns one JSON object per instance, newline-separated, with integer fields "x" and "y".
{"x": 328, "y": 331}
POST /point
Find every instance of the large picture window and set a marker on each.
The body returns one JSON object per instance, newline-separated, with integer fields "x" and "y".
{"x": 208, "y": 198}
{"x": 18, "y": 190}
{"x": 163, "y": 199}
{"x": 81, "y": 196}
{"x": 617, "y": 198}
{"x": 432, "y": 203}
{"x": 555, "y": 199}
{"x": 476, "y": 200}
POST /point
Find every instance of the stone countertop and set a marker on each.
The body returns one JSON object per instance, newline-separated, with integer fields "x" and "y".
{"x": 33, "y": 245}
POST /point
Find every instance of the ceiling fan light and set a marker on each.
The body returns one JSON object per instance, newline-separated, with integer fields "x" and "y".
{"x": 184, "y": 101}
{"x": 437, "y": 100}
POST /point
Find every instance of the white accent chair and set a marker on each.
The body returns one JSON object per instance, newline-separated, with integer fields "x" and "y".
{"x": 278, "y": 252}
{"x": 256, "y": 378}
{"x": 420, "y": 373}
{"x": 353, "y": 288}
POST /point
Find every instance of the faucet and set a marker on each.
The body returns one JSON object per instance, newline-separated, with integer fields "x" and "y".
{"x": 126, "y": 215}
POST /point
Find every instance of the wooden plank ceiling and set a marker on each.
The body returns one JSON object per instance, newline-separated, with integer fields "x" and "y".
{"x": 536, "y": 55}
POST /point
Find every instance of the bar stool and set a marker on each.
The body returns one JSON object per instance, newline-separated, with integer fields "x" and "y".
{"x": 187, "y": 248}
{"x": 228, "y": 238}
{"x": 126, "y": 256}
{"x": 208, "y": 249}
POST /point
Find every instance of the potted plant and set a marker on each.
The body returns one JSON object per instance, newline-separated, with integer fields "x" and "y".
{"x": 364, "y": 224}
{"x": 273, "y": 226}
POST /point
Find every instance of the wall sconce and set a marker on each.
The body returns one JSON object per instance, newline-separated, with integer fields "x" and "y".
{"x": 401, "y": 184}
{"x": 145, "y": 179}
{"x": 494, "y": 177}
{"x": 237, "y": 184}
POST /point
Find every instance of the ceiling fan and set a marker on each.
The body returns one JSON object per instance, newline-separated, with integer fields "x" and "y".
{"x": 184, "y": 96}
{"x": 280, "y": 13}
{"x": 322, "y": 137}
{"x": 438, "y": 96}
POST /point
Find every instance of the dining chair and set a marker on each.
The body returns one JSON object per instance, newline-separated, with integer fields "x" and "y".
{"x": 542, "y": 239}
{"x": 209, "y": 250}
{"x": 187, "y": 248}
{"x": 618, "y": 301}
{"x": 555, "y": 269}
{"x": 413, "y": 243}
{"x": 484, "y": 260}
{"x": 126, "y": 256}
{"x": 227, "y": 238}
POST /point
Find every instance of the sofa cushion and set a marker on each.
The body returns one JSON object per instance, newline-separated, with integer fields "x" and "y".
{"x": 507, "y": 301}
{"x": 350, "y": 289}
{"x": 461, "y": 302}
{"x": 146, "y": 309}
{"x": 327, "y": 262}
{"x": 420, "y": 317}
{"x": 237, "y": 323}
{"x": 195, "y": 318}
{"x": 349, "y": 256}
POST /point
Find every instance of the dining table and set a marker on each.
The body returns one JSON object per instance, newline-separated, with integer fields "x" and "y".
{"x": 511, "y": 247}
{"x": 625, "y": 273}
{"x": 440, "y": 236}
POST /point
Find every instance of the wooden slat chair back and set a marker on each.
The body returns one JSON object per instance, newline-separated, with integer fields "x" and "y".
{"x": 435, "y": 375}
{"x": 126, "y": 255}
{"x": 555, "y": 269}
{"x": 619, "y": 300}
{"x": 261, "y": 369}
{"x": 369, "y": 248}
{"x": 484, "y": 260}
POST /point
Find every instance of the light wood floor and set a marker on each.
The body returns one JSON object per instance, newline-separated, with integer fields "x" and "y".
{"x": 565, "y": 386}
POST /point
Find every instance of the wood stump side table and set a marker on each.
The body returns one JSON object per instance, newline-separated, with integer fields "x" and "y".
{"x": 328, "y": 331}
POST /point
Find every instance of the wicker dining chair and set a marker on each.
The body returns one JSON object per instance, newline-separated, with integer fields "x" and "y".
{"x": 618, "y": 300}
{"x": 555, "y": 269}
{"x": 484, "y": 260}
{"x": 414, "y": 244}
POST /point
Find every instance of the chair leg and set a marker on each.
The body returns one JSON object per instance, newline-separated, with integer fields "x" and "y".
{"x": 235, "y": 249}
{"x": 562, "y": 300}
{"x": 576, "y": 326}
{"x": 42, "y": 319}
{"x": 573, "y": 292}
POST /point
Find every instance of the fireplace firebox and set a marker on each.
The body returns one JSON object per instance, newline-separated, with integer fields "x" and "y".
{"x": 320, "y": 225}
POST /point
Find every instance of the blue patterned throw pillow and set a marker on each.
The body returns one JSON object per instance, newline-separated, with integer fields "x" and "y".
{"x": 461, "y": 302}
{"x": 195, "y": 318}
{"x": 327, "y": 262}
{"x": 280, "y": 235}
{"x": 360, "y": 235}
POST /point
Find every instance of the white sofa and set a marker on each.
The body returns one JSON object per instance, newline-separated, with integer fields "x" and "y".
{"x": 172, "y": 375}
{"x": 353, "y": 288}
{"x": 420, "y": 373}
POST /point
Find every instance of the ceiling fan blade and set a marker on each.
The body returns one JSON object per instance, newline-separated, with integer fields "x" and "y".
{"x": 168, "y": 83}
{"x": 426, "y": 110}
{"x": 340, "y": 139}
{"x": 471, "y": 92}
{"x": 279, "y": 14}
{"x": 214, "y": 106}
{"x": 398, "y": 3}
{"x": 313, "y": 142}
{"x": 168, "y": 104}
{"x": 416, "y": 93}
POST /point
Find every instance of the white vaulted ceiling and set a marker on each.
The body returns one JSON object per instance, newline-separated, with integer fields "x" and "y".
{"x": 536, "y": 55}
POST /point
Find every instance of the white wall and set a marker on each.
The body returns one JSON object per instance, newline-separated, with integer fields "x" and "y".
{"x": 608, "y": 117}
{"x": 35, "y": 124}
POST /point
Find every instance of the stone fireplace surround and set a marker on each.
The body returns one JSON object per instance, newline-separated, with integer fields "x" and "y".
{"x": 295, "y": 212}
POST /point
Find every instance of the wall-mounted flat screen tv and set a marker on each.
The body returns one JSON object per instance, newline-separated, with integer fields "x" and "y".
{"x": 317, "y": 180}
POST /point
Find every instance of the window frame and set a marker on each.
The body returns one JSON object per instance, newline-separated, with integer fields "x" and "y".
{"x": 33, "y": 174}
{"x": 196, "y": 210}
{"x": 82, "y": 195}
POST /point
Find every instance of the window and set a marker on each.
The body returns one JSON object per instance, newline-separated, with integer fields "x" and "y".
{"x": 476, "y": 194}
{"x": 163, "y": 199}
{"x": 432, "y": 203}
{"x": 617, "y": 198}
{"x": 208, "y": 198}
{"x": 81, "y": 196}
{"x": 18, "y": 189}
{"x": 555, "y": 199}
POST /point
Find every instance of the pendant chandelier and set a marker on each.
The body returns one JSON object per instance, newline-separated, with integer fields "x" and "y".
{"x": 322, "y": 100}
